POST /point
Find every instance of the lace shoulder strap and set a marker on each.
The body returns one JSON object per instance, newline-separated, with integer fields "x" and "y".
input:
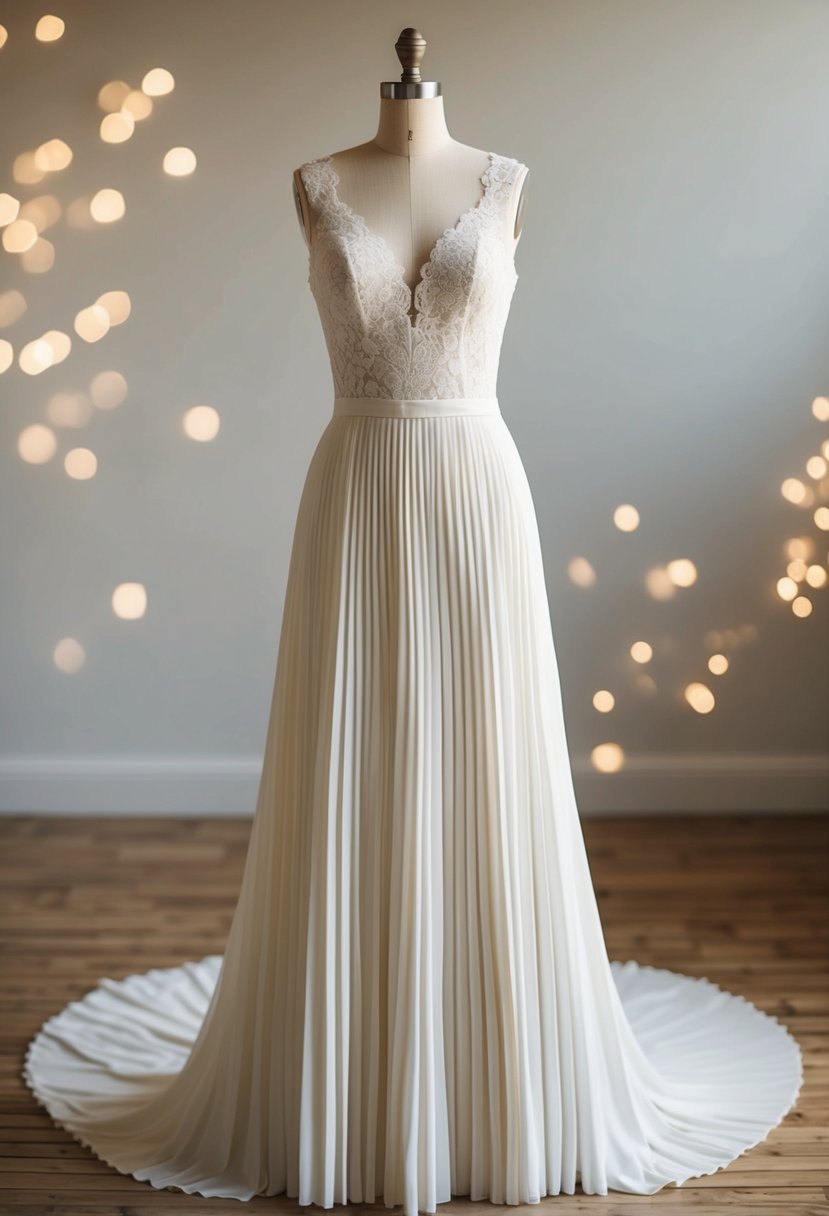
{"x": 317, "y": 181}
{"x": 501, "y": 178}
{"x": 317, "y": 178}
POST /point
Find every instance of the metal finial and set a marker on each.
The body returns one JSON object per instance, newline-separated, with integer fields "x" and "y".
{"x": 410, "y": 47}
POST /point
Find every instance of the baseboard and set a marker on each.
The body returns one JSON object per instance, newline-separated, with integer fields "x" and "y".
{"x": 705, "y": 782}
{"x": 648, "y": 784}
{"x": 129, "y": 785}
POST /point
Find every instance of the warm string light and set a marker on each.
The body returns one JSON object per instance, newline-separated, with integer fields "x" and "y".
{"x": 802, "y": 574}
{"x": 179, "y": 162}
{"x": 607, "y": 757}
{"x": 129, "y": 601}
{"x": 69, "y": 655}
{"x": 107, "y": 206}
{"x": 72, "y": 408}
{"x": 49, "y": 29}
{"x": 201, "y": 423}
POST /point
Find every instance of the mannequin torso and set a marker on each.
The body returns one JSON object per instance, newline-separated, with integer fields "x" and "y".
{"x": 411, "y": 182}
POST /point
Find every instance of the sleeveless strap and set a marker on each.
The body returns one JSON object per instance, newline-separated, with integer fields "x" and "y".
{"x": 316, "y": 178}
{"x": 502, "y": 176}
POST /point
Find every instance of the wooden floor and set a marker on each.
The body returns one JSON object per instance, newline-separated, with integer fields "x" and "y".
{"x": 743, "y": 900}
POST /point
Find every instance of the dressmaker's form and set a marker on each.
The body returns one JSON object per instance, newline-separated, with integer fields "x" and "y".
{"x": 447, "y": 222}
{"x": 413, "y": 180}
{"x": 415, "y": 1000}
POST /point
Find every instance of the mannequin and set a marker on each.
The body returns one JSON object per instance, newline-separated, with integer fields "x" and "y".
{"x": 413, "y": 180}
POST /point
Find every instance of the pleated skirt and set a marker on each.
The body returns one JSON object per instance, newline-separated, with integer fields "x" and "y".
{"x": 415, "y": 999}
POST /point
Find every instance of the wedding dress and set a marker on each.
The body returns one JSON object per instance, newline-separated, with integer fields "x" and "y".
{"x": 415, "y": 999}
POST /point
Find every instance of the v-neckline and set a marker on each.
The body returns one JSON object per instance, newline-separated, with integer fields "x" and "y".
{"x": 413, "y": 293}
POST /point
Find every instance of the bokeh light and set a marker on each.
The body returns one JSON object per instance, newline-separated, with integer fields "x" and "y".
{"x": 92, "y": 323}
{"x": 35, "y": 357}
{"x": 6, "y": 355}
{"x": 794, "y": 490}
{"x": 607, "y": 757}
{"x": 108, "y": 389}
{"x": 659, "y": 584}
{"x": 72, "y": 409}
{"x": 9, "y": 208}
{"x": 581, "y": 572}
{"x": 43, "y": 211}
{"x": 800, "y": 546}
{"x": 129, "y": 601}
{"x": 49, "y": 29}
{"x": 157, "y": 82}
{"x": 682, "y": 572}
{"x": 80, "y": 464}
{"x": 179, "y": 162}
{"x": 40, "y": 258}
{"x": 112, "y": 95}
{"x": 718, "y": 664}
{"x": 700, "y": 697}
{"x": 107, "y": 206}
{"x": 12, "y": 307}
{"x": 59, "y": 343}
{"x": 19, "y": 235}
{"x": 603, "y": 701}
{"x": 69, "y": 655}
{"x": 25, "y": 169}
{"x": 802, "y": 606}
{"x": 820, "y": 409}
{"x": 52, "y": 156}
{"x": 116, "y": 304}
{"x": 138, "y": 104}
{"x": 202, "y": 423}
{"x": 36, "y": 444}
{"x": 117, "y": 128}
{"x": 626, "y": 517}
{"x": 641, "y": 652}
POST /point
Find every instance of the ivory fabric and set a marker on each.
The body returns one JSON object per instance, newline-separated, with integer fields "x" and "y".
{"x": 415, "y": 999}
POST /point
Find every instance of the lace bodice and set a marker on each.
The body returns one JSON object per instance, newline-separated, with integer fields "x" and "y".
{"x": 461, "y": 299}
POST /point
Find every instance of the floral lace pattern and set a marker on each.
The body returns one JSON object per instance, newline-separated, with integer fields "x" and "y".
{"x": 461, "y": 299}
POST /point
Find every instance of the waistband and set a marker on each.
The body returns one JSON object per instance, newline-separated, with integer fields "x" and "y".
{"x": 424, "y": 407}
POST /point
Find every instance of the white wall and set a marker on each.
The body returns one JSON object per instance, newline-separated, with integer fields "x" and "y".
{"x": 667, "y": 338}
